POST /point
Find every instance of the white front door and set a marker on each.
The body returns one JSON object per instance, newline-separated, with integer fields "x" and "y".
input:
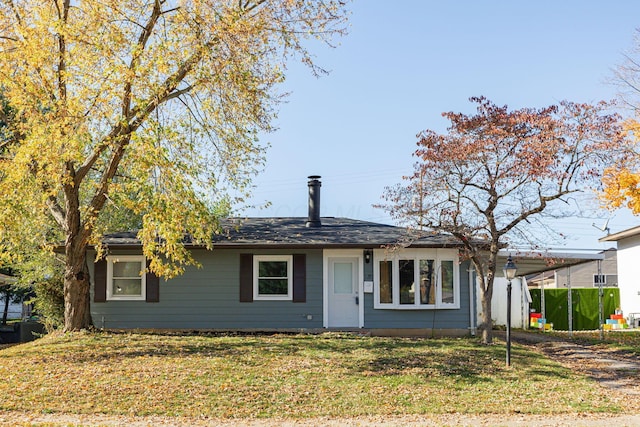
{"x": 343, "y": 293}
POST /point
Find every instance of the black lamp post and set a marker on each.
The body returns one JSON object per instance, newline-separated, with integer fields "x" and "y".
{"x": 509, "y": 270}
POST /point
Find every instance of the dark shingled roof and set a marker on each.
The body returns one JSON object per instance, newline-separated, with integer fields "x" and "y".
{"x": 292, "y": 232}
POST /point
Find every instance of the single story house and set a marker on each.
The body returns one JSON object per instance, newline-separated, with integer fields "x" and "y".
{"x": 628, "y": 242}
{"x": 299, "y": 274}
{"x": 291, "y": 274}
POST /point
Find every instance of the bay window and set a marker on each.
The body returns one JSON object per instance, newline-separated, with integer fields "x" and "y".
{"x": 417, "y": 279}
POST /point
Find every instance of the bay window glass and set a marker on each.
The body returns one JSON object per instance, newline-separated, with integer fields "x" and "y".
{"x": 407, "y": 285}
{"x": 447, "y": 282}
{"x": 385, "y": 277}
{"x": 427, "y": 283}
{"x": 417, "y": 279}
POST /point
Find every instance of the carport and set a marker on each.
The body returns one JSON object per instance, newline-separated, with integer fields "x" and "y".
{"x": 528, "y": 263}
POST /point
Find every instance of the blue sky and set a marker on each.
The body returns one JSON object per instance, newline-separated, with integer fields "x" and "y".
{"x": 405, "y": 62}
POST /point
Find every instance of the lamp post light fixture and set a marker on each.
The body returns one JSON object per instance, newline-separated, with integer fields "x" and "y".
{"x": 509, "y": 271}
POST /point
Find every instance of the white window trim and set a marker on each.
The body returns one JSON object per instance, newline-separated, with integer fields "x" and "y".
{"x": 111, "y": 259}
{"x": 438, "y": 255}
{"x": 456, "y": 283}
{"x": 256, "y": 270}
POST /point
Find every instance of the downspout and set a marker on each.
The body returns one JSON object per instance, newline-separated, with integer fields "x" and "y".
{"x": 472, "y": 305}
{"x": 543, "y": 303}
{"x": 569, "y": 303}
{"x": 524, "y": 304}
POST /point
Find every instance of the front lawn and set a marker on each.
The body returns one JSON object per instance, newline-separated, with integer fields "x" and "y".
{"x": 292, "y": 376}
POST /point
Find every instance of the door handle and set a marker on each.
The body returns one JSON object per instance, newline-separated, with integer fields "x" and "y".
{"x": 357, "y": 300}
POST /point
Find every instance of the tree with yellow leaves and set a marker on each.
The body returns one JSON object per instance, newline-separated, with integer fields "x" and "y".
{"x": 151, "y": 107}
{"x": 622, "y": 180}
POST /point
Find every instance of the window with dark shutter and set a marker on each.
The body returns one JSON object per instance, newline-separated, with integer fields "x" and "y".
{"x": 299, "y": 278}
{"x": 126, "y": 280}
{"x": 153, "y": 287}
{"x": 297, "y": 291}
{"x": 246, "y": 278}
{"x": 100, "y": 281}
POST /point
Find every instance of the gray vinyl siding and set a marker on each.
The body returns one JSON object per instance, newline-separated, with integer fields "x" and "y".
{"x": 418, "y": 319}
{"x": 208, "y": 298}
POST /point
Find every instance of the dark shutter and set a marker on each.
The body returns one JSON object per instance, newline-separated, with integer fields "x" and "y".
{"x": 153, "y": 286}
{"x": 100, "y": 281}
{"x": 246, "y": 278}
{"x": 300, "y": 278}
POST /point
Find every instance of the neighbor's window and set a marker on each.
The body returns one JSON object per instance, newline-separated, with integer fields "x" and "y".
{"x": 125, "y": 277}
{"x": 273, "y": 277}
{"x": 419, "y": 279}
{"x": 609, "y": 280}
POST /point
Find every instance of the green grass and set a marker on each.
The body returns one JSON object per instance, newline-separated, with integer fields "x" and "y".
{"x": 296, "y": 376}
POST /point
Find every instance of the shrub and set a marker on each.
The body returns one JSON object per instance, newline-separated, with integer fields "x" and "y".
{"x": 49, "y": 303}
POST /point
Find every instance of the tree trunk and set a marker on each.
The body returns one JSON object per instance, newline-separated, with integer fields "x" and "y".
{"x": 77, "y": 311}
{"x": 6, "y": 307}
{"x": 486, "y": 274}
{"x": 77, "y": 314}
{"x": 486, "y": 325}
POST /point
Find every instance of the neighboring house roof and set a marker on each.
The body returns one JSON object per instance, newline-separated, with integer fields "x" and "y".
{"x": 630, "y": 232}
{"x": 292, "y": 232}
{"x": 581, "y": 273}
{"x": 534, "y": 262}
{"x": 4, "y": 279}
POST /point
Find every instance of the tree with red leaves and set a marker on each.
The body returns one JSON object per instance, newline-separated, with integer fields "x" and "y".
{"x": 496, "y": 171}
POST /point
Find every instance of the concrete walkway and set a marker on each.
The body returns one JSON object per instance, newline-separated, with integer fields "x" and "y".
{"x": 612, "y": 369}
